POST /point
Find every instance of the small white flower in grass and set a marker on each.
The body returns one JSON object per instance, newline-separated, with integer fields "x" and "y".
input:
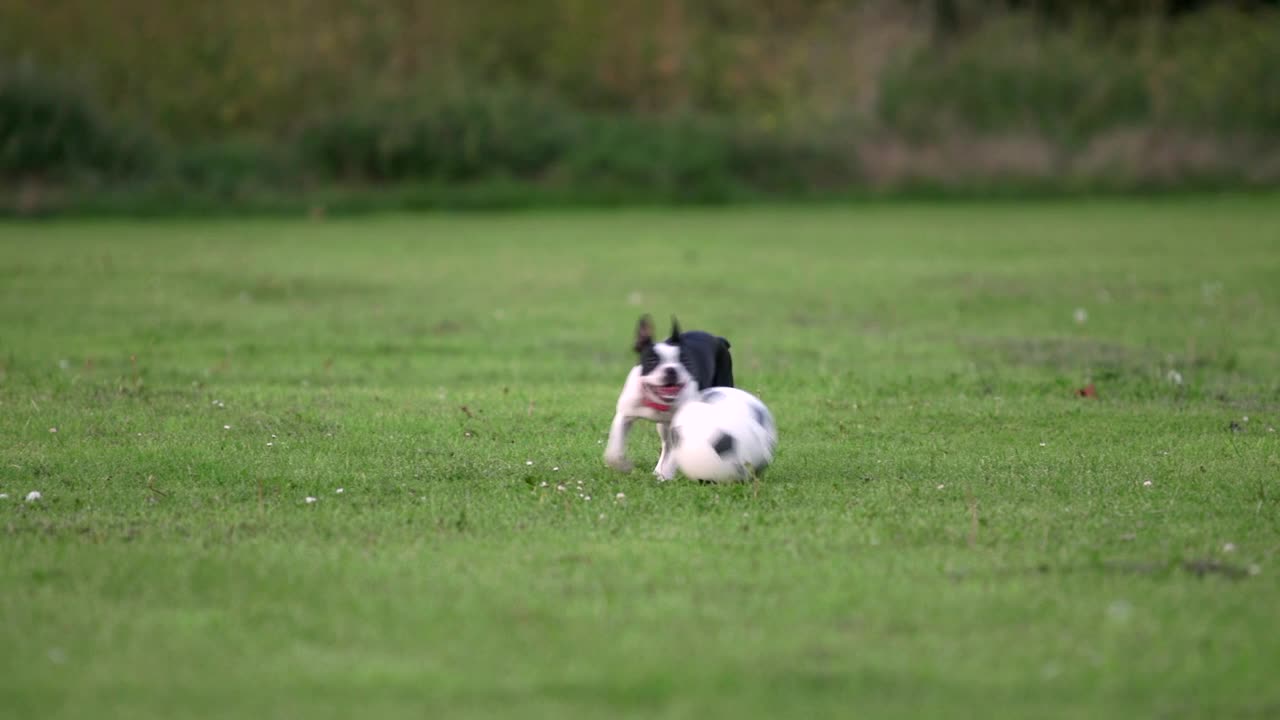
{"x": 559, "y": 488}
{"x": 1244, "y": 419}
{"x": 34, "y": 495}
{"x": 340, "y": 490}
{"x": 1120, "y": 611}
{"x": 309, "y": 500}
{"x": 226, "y": 427}
{"x": 555, "y": 469}
{"x": 4, "y": 496}
{"x": 1146, "y": 483}
{"x": 53, "y": 429}
{"x": 270, "y": 444}
{"x": 620, "y": 496}
{"x": 542, "y": 484}
{"x": 1044, "y": 444}
{"x": 586, "y": 497}
{"x": 601, "y": 516}
{"x": 528, "y": 462}
{"x": 1081, "y": 316}
{"x": 1174, "y": 377}
{"x": 940, "y": 486}
{"x": 1228, "y": 547}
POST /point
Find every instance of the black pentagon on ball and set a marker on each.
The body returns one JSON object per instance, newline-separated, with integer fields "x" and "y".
{"x": 761, "y": 416}
{"x": 723, "y": 445}
{"x": 712, "y": 396}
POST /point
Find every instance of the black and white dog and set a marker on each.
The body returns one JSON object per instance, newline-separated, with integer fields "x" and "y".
{"x": 670, "y": 372}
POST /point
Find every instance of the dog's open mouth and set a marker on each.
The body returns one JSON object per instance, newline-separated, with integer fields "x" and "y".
{"x": 665, "y": 393}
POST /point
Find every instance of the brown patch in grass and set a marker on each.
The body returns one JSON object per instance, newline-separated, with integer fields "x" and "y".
{"x": 968, "y": 286}
{"x": 889, "y": 162}
{"x": 1147, "y": 155}
{"x": 1209, "y": 566}
{"x": 1123, "y": 158}
{"x": 1063, "y": 353}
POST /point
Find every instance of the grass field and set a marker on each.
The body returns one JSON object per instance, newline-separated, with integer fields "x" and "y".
{"x": 948, "y": 529}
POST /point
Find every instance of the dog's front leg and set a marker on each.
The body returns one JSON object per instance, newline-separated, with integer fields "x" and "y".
{"x": 615, "y": 453}
{"x": 666, "y": 467}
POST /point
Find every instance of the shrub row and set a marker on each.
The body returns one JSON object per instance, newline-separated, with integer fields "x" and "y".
{"x": 1199, "y": 100}
{"x": 513, "y": 135}
{"x": 53, "y": 132}
{"x": 1215, "y": 74}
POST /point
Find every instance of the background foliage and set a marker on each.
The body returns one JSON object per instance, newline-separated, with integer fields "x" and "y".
{"x": 498, "y": 100}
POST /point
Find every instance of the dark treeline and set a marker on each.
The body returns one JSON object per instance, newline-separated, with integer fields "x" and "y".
{"x": 434, "y": 102}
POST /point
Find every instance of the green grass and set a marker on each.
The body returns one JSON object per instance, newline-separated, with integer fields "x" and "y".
{"x": 948, "y": 529}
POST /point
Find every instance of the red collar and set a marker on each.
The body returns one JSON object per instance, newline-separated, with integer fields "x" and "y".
{"x": 657, "y": 406}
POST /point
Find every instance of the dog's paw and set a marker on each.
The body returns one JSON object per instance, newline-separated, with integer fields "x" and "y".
{"x": 665, "y": 474}
{"x": 619, "y": 463}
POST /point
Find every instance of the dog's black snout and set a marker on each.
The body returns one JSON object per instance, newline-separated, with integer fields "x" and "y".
{"x": 669, "y": 376}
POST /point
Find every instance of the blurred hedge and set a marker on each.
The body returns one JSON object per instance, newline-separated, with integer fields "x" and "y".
{"x": 54, "y": 132}
{"x": 1213, "y": 73}
{"x": 498, "y": 102}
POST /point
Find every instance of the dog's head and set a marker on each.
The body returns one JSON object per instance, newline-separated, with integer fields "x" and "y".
{"x": 662, "y": 372}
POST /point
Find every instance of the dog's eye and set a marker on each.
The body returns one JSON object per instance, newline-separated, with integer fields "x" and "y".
{"x": 648, "y": 361}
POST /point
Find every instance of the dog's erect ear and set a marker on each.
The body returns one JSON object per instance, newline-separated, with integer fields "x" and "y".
{"x": 675, "y": 332}
{"x": 644, "y": 333}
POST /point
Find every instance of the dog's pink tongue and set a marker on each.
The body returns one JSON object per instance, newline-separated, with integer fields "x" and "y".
{"x": 671, "y": 389}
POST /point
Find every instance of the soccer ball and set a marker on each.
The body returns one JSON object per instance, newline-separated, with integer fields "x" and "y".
{"x": 725, "y": 435}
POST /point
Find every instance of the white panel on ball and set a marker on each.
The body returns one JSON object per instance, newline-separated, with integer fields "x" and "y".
{"x": 726, "y": 435}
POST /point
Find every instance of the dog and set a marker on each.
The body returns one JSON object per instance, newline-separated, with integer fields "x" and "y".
{"x": 669, "y": 373}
